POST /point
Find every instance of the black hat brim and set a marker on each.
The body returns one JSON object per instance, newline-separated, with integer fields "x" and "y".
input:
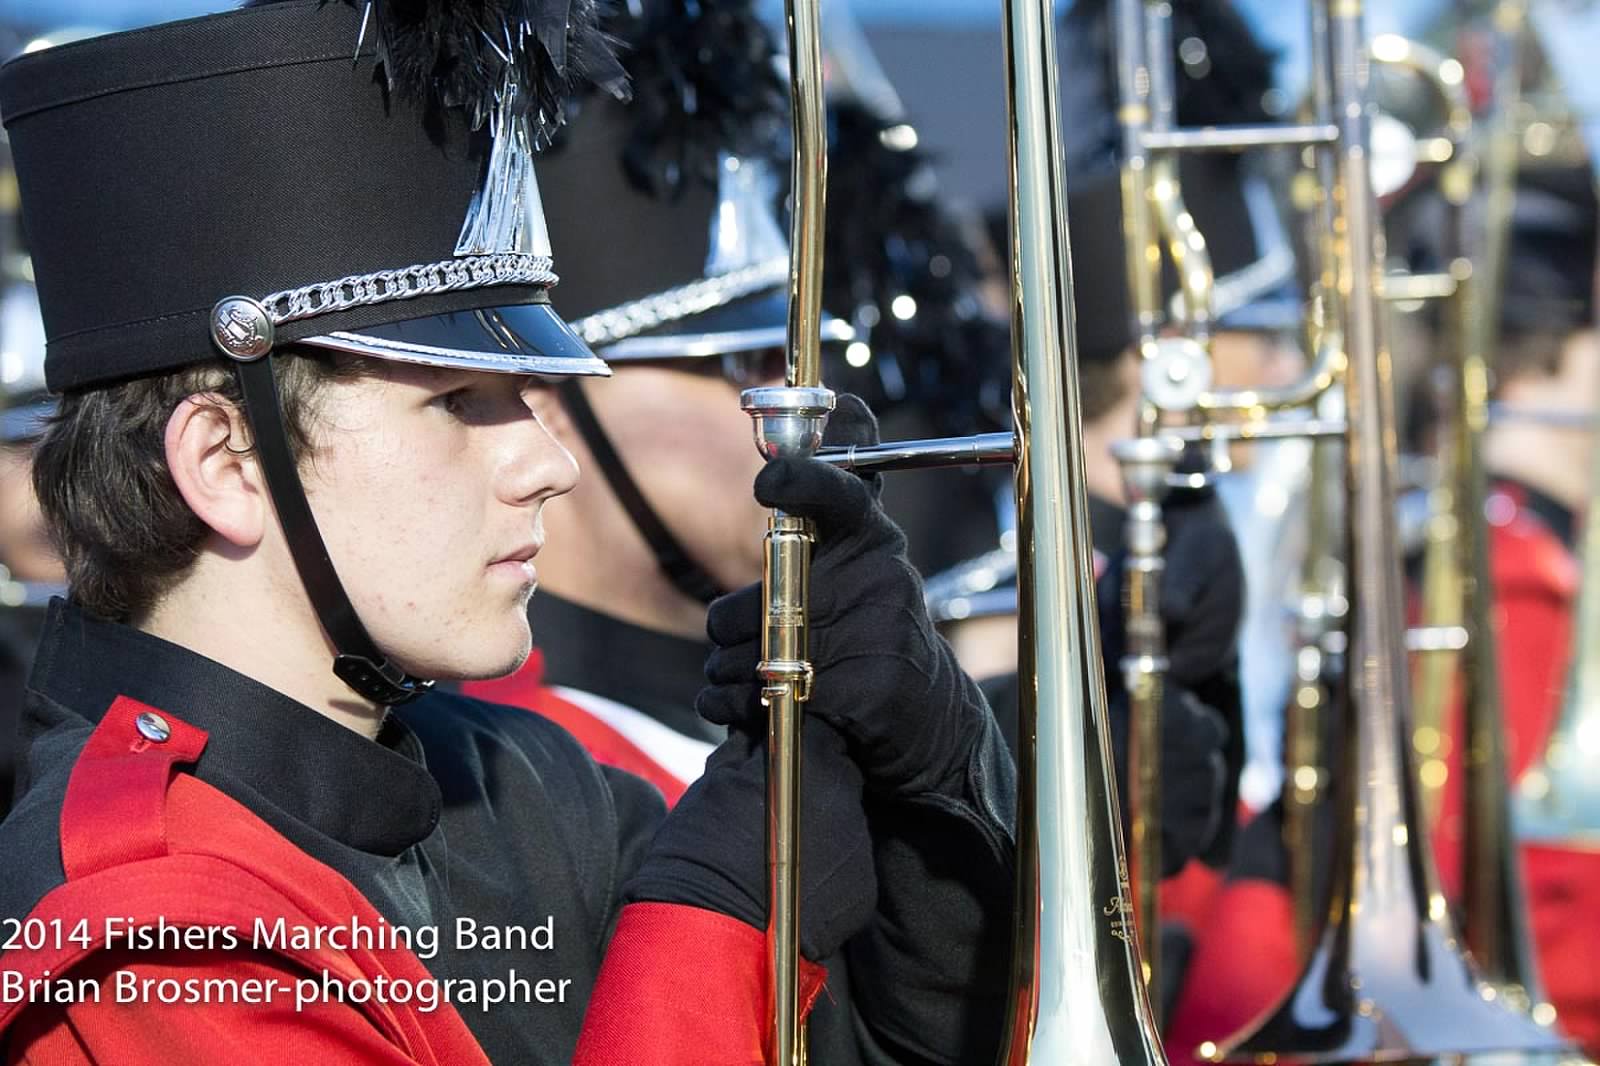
{"x": 518, "y": 339}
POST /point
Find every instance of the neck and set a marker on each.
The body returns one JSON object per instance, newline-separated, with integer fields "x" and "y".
{"x": 1527, "y": 454}
{"x": 203, "y": 614}
{"x": 1550, "y": 458}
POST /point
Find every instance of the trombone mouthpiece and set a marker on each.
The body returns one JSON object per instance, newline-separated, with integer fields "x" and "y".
{"x": 789, "y": 422}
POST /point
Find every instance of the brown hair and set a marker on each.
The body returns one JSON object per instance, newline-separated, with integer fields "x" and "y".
{"x": 114, "y": 513}
{"x": 1101, "y": 386}
{"x": 1528, "y": 353}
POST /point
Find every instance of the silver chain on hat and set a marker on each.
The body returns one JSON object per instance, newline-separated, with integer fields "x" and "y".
{"x": 358, "y": 290}
{"x": 697, "y": 297}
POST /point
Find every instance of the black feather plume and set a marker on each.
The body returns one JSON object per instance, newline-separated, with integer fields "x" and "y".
{"x": 1227, "y": 79}
{"x": 889, "y": 238}
{"x": 464, "y": 53}
{"x": 705, "y": 82}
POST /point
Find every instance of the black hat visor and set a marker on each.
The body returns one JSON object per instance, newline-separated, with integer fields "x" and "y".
{"x": 518, "y": 339}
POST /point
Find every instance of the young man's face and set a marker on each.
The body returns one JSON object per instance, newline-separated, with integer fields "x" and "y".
{"x": 428, "y": 486}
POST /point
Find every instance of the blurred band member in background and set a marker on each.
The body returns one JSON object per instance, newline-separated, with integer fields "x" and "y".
{"x": 30, "y": 572}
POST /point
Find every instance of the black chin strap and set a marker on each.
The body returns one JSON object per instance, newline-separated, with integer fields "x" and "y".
{"x": 358, "y": 664}
{"x": 684, "y": 573}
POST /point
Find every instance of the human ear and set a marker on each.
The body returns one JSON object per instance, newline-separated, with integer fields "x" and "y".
{"x": 206, "y": 447}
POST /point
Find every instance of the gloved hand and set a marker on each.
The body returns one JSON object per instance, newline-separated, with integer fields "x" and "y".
{"x": 883, "y": 677}
{"x": 1194, "y": 777}
{"x": 1202, "y": 588}
{"x": 711, "y": 851}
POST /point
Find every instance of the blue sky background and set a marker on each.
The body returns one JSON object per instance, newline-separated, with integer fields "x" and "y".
{"x": 903, "y": 30}
{"x": 124, "y": 13}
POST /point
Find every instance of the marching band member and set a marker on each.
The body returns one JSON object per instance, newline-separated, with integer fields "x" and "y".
{"x": 299, "y": 429}
{"x": 668, "y": 447}
{"x": 30, "y": 572}
{"x": 1537, "y": 450}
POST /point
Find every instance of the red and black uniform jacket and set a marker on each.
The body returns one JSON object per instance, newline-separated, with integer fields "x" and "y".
{"x": 925, "y": 981}
{"x": 462, "y": 817}
{"x": 1535, "y": 580}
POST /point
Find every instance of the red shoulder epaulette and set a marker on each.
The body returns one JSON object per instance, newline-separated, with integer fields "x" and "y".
{"x": 144, "y": 843}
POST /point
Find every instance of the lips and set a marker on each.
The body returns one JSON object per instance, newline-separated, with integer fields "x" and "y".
{"x": 518, "y": 564}
{"x": 524, "y": 554}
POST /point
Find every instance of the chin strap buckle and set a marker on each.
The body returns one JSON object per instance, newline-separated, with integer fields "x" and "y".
{"x": 380, "y": 682}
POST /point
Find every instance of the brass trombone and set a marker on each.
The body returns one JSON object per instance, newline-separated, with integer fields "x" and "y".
{"x": 1177, "y": 375}
{"x": 1077, "y": 994}
{"x": 1386, "y": 980}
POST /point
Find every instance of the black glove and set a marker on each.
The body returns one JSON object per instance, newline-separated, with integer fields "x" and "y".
{"x": 1194, "y": 777}
{"x": 928, "y": 971}
{"x": 711, "y": 851}
{"x": 884, "y": 677}
{"x": 1202, "y": 588}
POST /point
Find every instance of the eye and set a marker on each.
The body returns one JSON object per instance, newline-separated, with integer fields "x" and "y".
{"x": 458, "y": 403}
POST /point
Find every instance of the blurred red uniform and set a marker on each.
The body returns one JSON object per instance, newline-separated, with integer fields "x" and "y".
{"x": 1245, "y": 963}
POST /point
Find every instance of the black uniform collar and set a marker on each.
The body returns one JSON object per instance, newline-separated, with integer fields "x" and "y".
{"x": 375, "y": 796}
{"x": 1556, "y": 516}
{"x": 653, "y": 672}
{"x": 1106, "y": 522}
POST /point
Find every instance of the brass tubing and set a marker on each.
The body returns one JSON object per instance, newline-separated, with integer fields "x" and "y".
{"x": 1386, "y": 980}
{"x": 983, "y": 449}
{"x": 784, "y": 668}
{"x": 1185, "y": 244}
{"x": 993, "y": 449}
{"x": 1147, "y": 464}
{"x": 1402, "y": 288}
{"x": 1494, "y": 912}
{"x": 809, "y": 180}
{"x": 789, "y": 422}
{"x": 1318, "y": 379}
{"x": 1318, "y": 665}
{"x": 1442, "y": 592}
{"x": 1237, "y": 138}
{"x": 1076, "y": 995}
{"x": 1141, "y": 250}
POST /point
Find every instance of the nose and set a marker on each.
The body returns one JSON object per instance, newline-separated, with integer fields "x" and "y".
{"x": 539, "y": 466}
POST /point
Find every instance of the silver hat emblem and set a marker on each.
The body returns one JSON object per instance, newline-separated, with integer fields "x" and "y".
{"x": 242, "y": 328}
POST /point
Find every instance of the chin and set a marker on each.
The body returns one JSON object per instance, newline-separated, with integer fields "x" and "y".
{"x": 491, "y": 660}
{"x": 479, "y": 653}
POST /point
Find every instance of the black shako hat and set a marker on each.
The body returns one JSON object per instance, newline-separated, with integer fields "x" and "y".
{"x": 701, "y": 270}
{"x": 303, "y": 171}
{"x": 665, "y": 208}
{"x": 1550, "y": 275}
{"x": 265, "y": 153}
{"x": 1251, "y": 256}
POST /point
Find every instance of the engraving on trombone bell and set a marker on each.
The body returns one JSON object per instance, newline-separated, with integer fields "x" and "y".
{"x": 1120, "y": 910}
{"x": 785, "y": 614}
